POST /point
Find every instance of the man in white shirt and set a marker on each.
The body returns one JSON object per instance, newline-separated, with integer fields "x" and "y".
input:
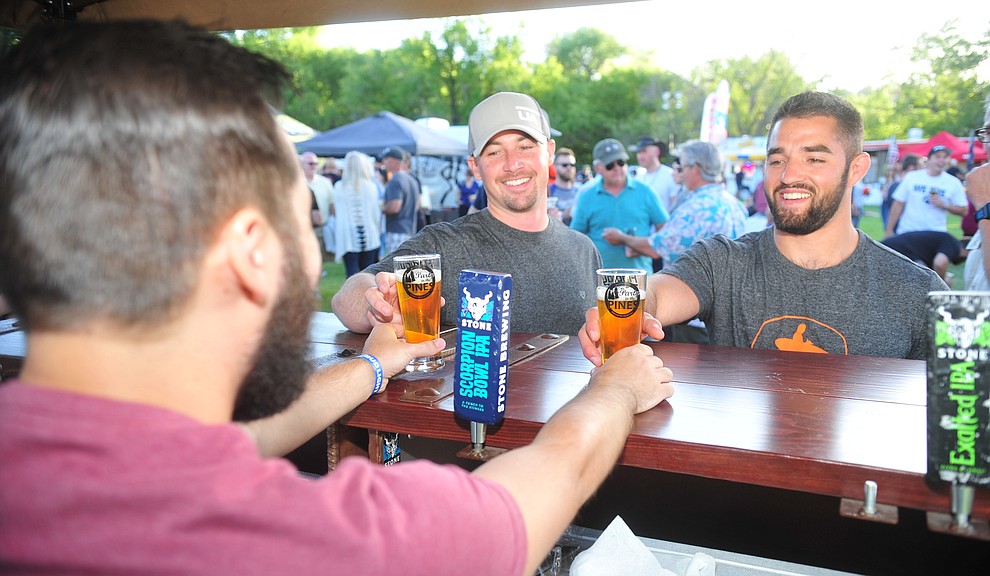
{"x": 657, "y": 176}
{"x": 925, "y": 197}
{"x": 922, "y": 201}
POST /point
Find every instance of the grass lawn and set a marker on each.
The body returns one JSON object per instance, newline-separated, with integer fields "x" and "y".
{"x": 329, "y": 284}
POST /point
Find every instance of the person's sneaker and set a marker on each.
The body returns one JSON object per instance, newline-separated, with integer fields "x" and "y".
{"x": 323, "y": 274}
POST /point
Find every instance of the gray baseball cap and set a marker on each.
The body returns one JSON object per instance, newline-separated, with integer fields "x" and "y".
{"x": 506, "y": 111}
{"x": 609, "y": 150}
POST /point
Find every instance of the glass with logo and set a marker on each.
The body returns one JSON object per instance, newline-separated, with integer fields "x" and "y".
{"x": 418, "y": 281}
{"x": 621, "y": 299}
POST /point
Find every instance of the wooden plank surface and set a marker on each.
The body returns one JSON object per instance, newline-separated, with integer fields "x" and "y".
{"x": 817, "y": 424}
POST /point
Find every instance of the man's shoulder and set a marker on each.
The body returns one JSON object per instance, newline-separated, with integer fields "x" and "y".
{"x": 886, "y": 260}
{"x": 739, "y": 249}
{"x": 401, "y": 179}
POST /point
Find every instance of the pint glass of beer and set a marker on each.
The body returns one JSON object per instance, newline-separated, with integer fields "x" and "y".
{"x": 621, "y": 294}
{"x": 417, "y": 279}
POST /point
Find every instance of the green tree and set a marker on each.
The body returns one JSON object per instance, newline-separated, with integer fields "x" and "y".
{"x": 585, "y": 52}
{"x": 946, "y": 93}
{"x": 756, "y": 88}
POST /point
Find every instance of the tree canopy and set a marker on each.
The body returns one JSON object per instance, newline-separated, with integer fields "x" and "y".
{"x": 591, "y": 89}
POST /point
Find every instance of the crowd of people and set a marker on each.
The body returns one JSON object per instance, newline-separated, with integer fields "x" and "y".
{"x": 231, "y": 216}
{"x": 365, "y": 210}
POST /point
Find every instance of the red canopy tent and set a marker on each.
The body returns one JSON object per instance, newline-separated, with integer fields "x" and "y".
{"x": 958, "y": 146}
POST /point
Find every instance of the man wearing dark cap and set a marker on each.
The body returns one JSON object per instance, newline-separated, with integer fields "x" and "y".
{"x": 618, "y": 202}
{"x": 401, "y": 198}
{"x": 659, "y": 177}
{"x": 552, "y": 267}
{"x": 925, "y": 197}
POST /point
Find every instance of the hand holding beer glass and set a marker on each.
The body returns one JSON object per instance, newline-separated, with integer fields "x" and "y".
{"x": 418, "y": 282}
{"x": 621, "y": 294}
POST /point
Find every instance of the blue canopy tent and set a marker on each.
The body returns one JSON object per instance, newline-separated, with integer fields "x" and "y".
{"x": 372, "y": 134}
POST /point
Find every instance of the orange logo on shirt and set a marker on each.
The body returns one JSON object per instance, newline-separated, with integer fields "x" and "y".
{"x": 797, "y": 343}
{"x": 799, "y": 334}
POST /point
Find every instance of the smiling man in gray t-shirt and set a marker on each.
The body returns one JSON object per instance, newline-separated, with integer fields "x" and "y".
{"x": 813, "y": 283}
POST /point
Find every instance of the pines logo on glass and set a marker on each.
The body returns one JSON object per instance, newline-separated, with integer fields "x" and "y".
{"x": 622, "y": 299}
{"x": 419, "y": 280}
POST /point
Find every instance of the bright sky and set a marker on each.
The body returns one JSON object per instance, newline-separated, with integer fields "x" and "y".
{"x": 852, "y": 44}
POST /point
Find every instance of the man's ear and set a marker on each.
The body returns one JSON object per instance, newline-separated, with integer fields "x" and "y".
{"x": 473, "y": 166}
{"x": 859, "y": 167}
{"x": 251, "y": 247}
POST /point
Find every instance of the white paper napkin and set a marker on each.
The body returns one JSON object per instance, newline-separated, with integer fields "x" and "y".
{"x": 619, "y": 552}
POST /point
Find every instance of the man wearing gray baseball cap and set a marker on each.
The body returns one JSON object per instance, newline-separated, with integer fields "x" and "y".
{"x": 617, "y": 205}
{"x": 552, "y": 267}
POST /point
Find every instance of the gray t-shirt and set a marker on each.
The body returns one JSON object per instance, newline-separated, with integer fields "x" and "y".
{"x": 553, "y": 271}
{"x": 403, "y": 187}
{"x": 872, "y": 304}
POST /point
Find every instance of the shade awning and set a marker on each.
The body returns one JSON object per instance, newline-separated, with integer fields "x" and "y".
{"x": 254, "y": 14}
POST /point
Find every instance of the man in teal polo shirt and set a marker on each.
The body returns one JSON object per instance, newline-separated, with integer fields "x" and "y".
{"x": 617, "y": 201}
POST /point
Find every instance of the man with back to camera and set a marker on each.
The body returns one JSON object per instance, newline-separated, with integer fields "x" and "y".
{"x": 134, "y": 375}
{"x": 402, "y": 198}
{"x": 511, "y": 148}
{"x": 619, "y": 202}
{"x": 812, "y": 283}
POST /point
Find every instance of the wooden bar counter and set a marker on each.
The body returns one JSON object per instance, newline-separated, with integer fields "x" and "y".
{"x": 812, "y": 423}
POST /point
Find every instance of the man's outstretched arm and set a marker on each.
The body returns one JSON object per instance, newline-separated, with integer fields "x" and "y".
{"x": 573, "y": 453}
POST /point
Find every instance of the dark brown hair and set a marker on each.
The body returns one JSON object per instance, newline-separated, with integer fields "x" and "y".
{"x": 125, "y": 146}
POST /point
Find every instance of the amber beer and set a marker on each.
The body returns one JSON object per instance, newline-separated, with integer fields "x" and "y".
{"x": 418, "y": 281}
{"x": 621, "y": 293}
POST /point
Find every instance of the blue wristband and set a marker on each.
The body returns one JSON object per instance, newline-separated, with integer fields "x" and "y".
{"x": 379, "y": 374}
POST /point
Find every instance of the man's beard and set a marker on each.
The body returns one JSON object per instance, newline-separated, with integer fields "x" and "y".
{"x": 280, "y": 364}
{"x": 823, "y": 208}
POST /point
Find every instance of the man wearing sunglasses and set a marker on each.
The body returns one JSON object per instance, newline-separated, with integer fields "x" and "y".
{"x": 564, "y": 188}
{"x": 978, "y": 191}
{"x": 619, "y": 202}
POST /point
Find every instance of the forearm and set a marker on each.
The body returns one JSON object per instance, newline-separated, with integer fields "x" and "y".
{"x": 330, "y": 393}
{"x": 572, "y": 455}
{"x": 670, "y": 300}
{"x": 958, "y": 210}
{"x": 641, "y": 244}
{"x": 351, "y": 305}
